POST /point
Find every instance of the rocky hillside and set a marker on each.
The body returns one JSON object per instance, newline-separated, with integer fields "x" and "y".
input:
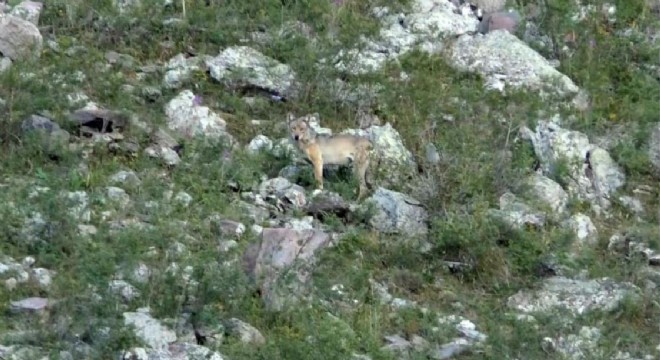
{"x": 154, "y": 207}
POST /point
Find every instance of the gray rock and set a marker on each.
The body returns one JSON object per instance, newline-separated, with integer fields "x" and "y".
{"x": 151, "y": 93}
{"x": 584, "y": 229}
{"x": 241, "y": 66}
{"x": 283, "y": 194}
{"x": 166, "y": 154}
{"x": 162, "y": 137}
{"x": 281, "y": 262}
{"x": 245, "y": 332}
{"x": 36, "y": 228}
{"x": 141, "y": 273}
{"x": 516, "y": 213}
{"x": 255, "y": 213}
{"x": 188, "y": 118}
{"x": 149, "y": 330}
{"x": 21, "y": 352}
{"x": 633, "y": 204}
{"x": 5, "y": 64}
{"x": 33, "y": 304}
{"x": 432, "y": 155}
{"x": 183, "y": 198}
{"x": 396, "y": 344}
{"x": 126, "y": 178}
{"x": 450, "y": 349}
{"x": 654, "y": 148}
{"x": 575, "y": 296}
{"x": 50, "y": 135}
{"x": 225, "y": 227}
{"x": 122, "y": 288}
{"x": 123, "y": 60}
{"x": 19, "y": 39}
{"x": 632, "y": 244}
{"x": 305, "y": 223}
{"x": 549, "y": 193}
{"x": 427, "y": 22}
{"x": 118, "y": 196}
{"x": 391, "y": 162}
{"x": 398, "y": 213}
{"x": 180, "y": 69}
{"x": 38, "y": 122}
{"x": 43, "y": 277}
{"x": 260, "y": 143}
{"x": 504, "y": 60}
{"x": 583, "y": 345}
{"x": 593, "y": 175}
{"x": 328, "y": 202}
{"x": 99, "y": 120}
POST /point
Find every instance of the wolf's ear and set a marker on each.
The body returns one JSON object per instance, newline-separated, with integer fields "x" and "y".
{"x": 290, "y": 118}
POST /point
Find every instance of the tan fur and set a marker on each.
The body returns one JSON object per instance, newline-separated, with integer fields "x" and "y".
{"x": 339, "y": 149}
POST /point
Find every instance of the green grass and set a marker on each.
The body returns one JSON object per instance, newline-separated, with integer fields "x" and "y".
{"x": 472, "y": 128}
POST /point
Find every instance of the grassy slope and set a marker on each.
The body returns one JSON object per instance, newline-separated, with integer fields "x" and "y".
{"x": 471, "y": 181}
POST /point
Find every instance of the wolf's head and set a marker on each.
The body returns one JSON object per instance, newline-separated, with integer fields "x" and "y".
{"x": 299, "y": 128}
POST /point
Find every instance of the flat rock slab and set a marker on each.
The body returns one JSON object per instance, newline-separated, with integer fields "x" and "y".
{"x": 575, "y": 296}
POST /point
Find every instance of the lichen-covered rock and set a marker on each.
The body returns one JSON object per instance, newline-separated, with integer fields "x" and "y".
{"x": 180, "y": 69}
{"x": 584, "y": 229}
{"x": 654, "y": 148}
{"x": 281, "y": 262}
{"x": 149, "y": 330}
{"x": 19, "y": 39}
{"x": 575, "y": 296}
{"x": 28, "y": 10}
{"x": 516, "y": 213}
{"x": 549, "y": 193}
{"x": 186, "y": 116}
{"x": 392, "y": 164}
{"x": 504, "y": 60}
{"x": 593, "y": 175}
{"x": 398, "y": 213}
{"x": 428, "y": 21}
{"x": 243, "y": 66}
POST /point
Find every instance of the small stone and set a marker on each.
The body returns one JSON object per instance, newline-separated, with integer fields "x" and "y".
{"x": 183, "y": 198}
{"x": 141, "y": 273}
{"x": 149, "y": 330}
{"x": 118, "y": 195}
{"x": 5, "y": 64}
{"x": 28, "y": 261}
{"x": 28, "y": 10}
{"x": 260, "y": 143}
{"x": 126, "y": 178}
{"x": 247, "y": 333}
{"x": 33, "y": 304}
{"x": 127, "y": 291}
{"x": 44, "y": 277}
{"x": 227, "y": 245}
{"x": 87, "y": 230}
{"x": 11, "y": 284}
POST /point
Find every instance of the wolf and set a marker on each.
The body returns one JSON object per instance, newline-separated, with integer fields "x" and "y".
{"x": 341, "y": 149}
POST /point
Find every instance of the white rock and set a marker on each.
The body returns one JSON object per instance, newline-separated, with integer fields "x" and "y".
{"x": 191, "y": 119}
{"x": 149, "y": 330}
{"x": 19, "y": 39}
{"x": 260, "y": 143}
{"x": 501, "y": 56}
